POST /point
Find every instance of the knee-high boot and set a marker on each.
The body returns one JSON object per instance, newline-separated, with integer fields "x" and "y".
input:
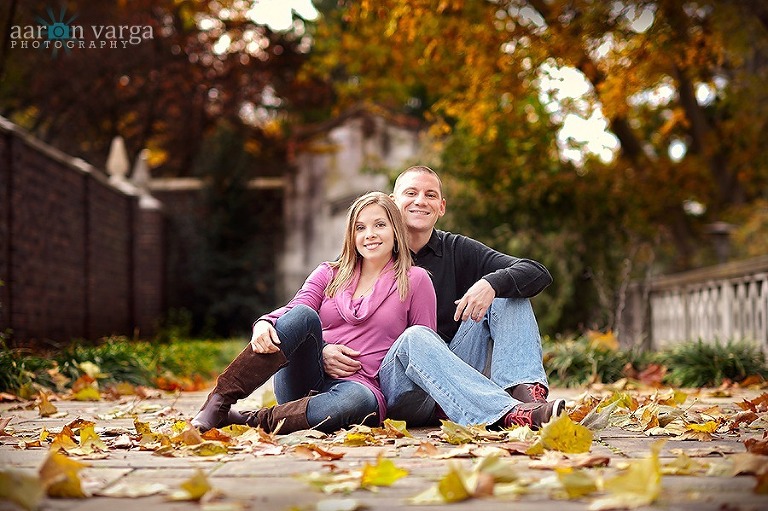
{"x": 293, "y": 413}
{"x": 247, "y": 372}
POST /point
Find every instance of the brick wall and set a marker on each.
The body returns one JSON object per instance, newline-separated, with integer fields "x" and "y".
{"x": 80, "y": 258}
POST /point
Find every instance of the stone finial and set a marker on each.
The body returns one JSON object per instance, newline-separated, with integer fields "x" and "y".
{"x": 117, "y": 161}
{"x": 140, "y": 174}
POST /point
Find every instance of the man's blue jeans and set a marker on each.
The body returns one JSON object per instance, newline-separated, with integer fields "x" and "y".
{"x": 467, "y": 377}
{"x": 336, "y": 403}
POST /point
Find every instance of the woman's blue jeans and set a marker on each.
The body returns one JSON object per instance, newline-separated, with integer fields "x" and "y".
{"x": 336, "y": 403}
{"x": 467, "y": 377}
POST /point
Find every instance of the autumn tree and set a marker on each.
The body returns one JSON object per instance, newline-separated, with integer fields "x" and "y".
{"x": 679, "y": 86}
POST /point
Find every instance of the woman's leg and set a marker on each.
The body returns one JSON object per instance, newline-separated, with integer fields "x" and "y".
{"x": 341, "y": 404}
{"x": 250, "y": 370}
{"x": 301, "y": 340}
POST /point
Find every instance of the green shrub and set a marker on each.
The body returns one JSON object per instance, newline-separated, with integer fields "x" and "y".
{"x": 701, "y": 364}
{"x": 117, "y": 360}
{"x": 574, "y": 362}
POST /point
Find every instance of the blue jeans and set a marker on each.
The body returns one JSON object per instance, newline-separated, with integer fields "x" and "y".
{"x": 467, "y": 377}
{"x": 336, "y": 403}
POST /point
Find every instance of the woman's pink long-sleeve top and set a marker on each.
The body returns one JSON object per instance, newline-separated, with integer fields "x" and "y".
{"x": 371, "y": 324}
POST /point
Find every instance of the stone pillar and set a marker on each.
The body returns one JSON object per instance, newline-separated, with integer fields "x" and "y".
{"x": 148, "y": 254}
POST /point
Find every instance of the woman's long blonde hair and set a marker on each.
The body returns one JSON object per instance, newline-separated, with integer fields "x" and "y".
{"x": 350, "y": 257}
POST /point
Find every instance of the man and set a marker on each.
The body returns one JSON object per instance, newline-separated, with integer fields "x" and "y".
{"x": 483, "y": 315}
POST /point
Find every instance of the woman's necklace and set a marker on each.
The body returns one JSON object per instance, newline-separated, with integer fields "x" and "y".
{"x": 359, "y": 294}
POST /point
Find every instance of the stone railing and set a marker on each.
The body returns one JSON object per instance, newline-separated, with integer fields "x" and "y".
{"x": 719, "y": 303}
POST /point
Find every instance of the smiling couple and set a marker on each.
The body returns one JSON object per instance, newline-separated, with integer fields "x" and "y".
{"x": 409, "y": 323}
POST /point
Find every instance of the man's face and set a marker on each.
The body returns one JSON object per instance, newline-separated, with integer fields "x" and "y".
{"x": 418, "y": 197}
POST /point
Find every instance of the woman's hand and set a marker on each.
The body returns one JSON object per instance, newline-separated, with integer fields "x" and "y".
{"x": 339, "y": 361}
{"x": 264, "y": 338}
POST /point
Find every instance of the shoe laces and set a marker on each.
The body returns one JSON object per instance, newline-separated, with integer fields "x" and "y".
{"x": 519, "y": 417}
{"x": 538, "y": 392}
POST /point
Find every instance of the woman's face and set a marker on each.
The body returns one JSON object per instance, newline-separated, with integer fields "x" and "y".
{"x": 374, "y": 235}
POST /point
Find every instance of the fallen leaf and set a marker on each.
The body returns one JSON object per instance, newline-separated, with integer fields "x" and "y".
{"x": 313, "y": 452}
{"x": 45, "y": 407}
{"x": 427, "y": 449}
{"x": 748, "y": 463}
{"x": 564, "y": 435}
{"x": 193, "y": 489}
{"x": 756, "y": 446}
{"x": 396, "y": 429}
{"x": 60, "y": 476}
{"x": 576, "y": 483}
{"x": 21, "y": 488}
{"x": 639, "y": 486}
{"x": 383, "y": 473}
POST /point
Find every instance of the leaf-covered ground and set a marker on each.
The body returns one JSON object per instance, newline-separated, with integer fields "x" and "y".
{"x": 619, "y": 447}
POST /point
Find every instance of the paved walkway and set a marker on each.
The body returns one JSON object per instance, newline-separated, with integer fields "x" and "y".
{"x": 254, "y": 481}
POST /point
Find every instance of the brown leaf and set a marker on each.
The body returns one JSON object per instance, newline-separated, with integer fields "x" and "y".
{"x": 427, "y": 449}
{"x": 749, "y": 463}
{"x": 313, "y": 452}
{"x": 756, "y": 446}
{"x": 652, "y": 375}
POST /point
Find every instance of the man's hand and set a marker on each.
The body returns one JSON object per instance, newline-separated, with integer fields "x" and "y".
{"x": 340, "y": 361}
{"x": 475, "y": 302}
{"x": 264, "y": 338}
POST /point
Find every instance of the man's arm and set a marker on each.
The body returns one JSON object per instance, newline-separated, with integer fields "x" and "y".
{"x": 495, "y": 275}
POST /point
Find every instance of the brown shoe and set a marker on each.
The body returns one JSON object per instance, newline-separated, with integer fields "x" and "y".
{"x": 529, "y": 392}
{"x": 290, "y": 416}
{"x": 533, "y": 415}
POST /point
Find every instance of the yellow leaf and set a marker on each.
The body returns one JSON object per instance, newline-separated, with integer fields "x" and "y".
{"x": 577, "y": 483}
{"x": 90, "y": 441}
{"x": 23, "y": 489}
{"x": 209, "y": 448}
{"x": 45, "y": 407}
{"x": 60, "y": 477}
{"x": 564, "y": 435}
{"x": 456, "y": 433}
{"x": 384, "y": 473}
{"x": 396, "y": 428}
{"x": 603, "y": 340}
{"x": 193, "y": 488}
{"x": 358, "y": 439}
{"x": 87, "y": 394}
{"x": 707, "y": 427}
{"x": 639, "y": 486}
{"x": 452, "y": 486}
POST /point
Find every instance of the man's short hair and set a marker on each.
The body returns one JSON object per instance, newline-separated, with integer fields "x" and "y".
{"x": 425, "y": 170}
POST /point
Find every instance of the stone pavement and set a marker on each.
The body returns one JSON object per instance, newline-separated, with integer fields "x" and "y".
{"x": 249, "y": 482}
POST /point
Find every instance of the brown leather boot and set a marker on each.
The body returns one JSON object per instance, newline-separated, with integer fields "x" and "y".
{"x": 294, "y": 413}
{"x": 247, "y": 372}
{"x": 529, "y": 392}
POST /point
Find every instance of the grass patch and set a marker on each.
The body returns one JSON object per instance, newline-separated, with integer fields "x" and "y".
{"x": 192, "y": 364}
{"x": 580, "y": 361}
{"x": 186, "y": 364}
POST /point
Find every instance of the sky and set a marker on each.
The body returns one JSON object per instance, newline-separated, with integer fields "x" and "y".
{"x": 278, "y": 14}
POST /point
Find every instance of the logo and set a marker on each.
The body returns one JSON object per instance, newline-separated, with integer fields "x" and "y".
{"x": 60, "y": 33}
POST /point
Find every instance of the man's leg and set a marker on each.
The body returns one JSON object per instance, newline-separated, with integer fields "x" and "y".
{"x": 420, "y": 370}
{"x": 509, "y": 335}
{"x": 406, "y": 400}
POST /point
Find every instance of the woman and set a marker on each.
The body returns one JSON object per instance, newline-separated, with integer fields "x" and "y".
{"x": 364, "y": 301}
